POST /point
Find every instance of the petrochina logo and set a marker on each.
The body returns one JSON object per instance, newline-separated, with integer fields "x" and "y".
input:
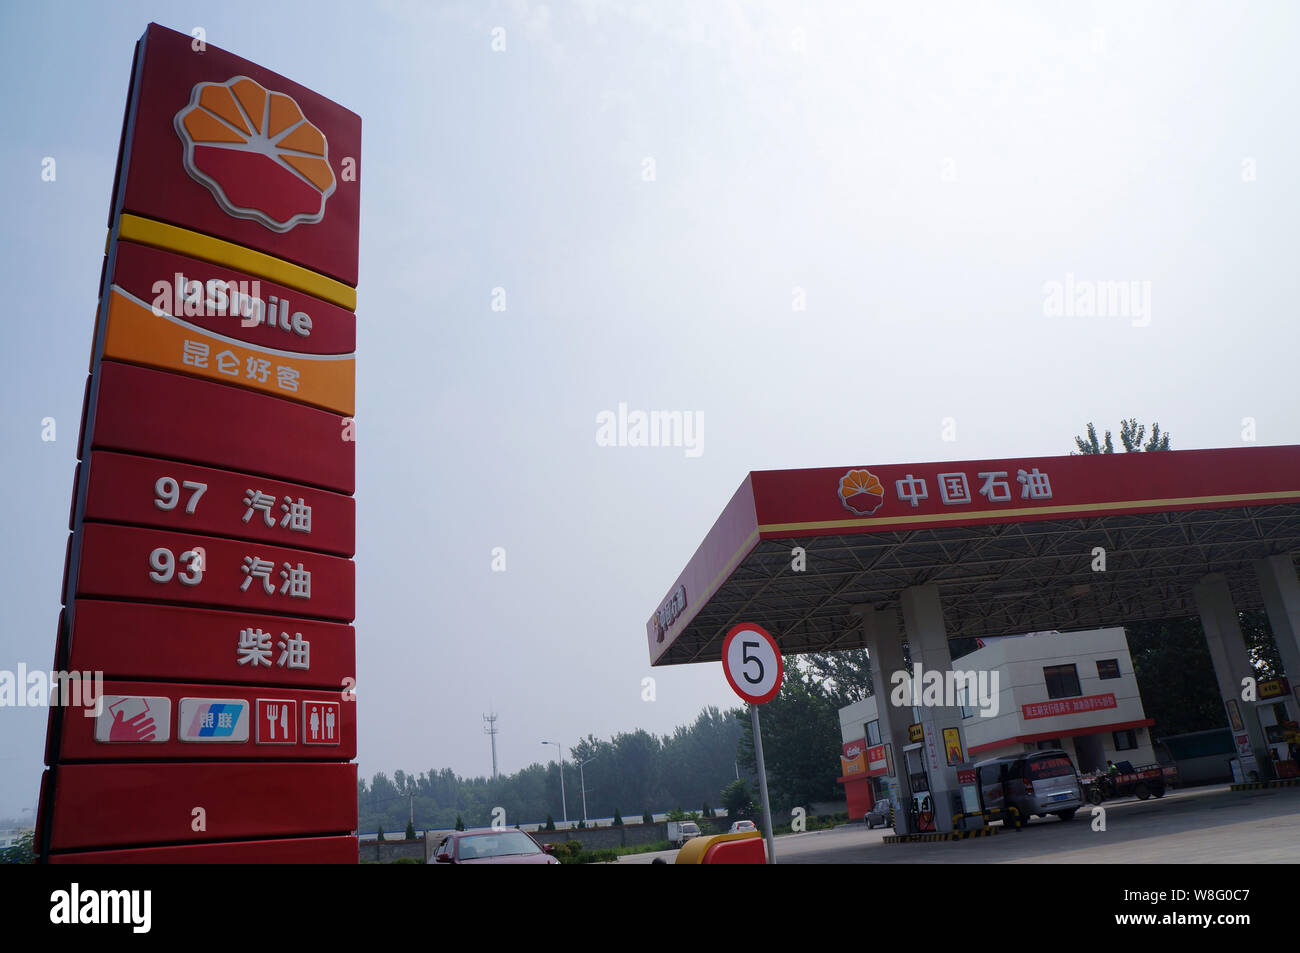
{"x": 861, "y": 492}
{"x": 256, "y": 153}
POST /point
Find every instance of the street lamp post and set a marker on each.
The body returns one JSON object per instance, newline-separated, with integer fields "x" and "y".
{"x": 564, "y": 804}
{"x": 584, "y": 785}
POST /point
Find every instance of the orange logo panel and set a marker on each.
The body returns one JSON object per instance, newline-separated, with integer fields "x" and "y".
{"x": 140, "y": 335}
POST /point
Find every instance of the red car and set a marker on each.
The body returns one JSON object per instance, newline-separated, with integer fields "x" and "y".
{"x": 488, "y": 845}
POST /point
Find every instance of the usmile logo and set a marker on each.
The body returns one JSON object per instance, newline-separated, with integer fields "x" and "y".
{"x": 256, "y": 153}
{"x": 861, "y": 492}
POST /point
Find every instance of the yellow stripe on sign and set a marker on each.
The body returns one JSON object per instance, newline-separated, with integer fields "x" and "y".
{"x": 139, "y": 335}
{"x": 146, "y": 231}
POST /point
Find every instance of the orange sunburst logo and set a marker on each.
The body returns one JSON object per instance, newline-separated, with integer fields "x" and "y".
{"x": 256, "y": 153}
{"x": 861, "y": 492}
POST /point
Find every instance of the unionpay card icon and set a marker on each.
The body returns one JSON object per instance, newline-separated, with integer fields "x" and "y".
{"x": 213, "y": 719}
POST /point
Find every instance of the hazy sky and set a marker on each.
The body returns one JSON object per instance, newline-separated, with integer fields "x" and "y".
{"x": 914, "y": 175}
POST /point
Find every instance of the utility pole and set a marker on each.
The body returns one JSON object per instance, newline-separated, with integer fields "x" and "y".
{"x": 582, "y": 778}
{"x": 490, "y": 728}
{"x": 564, "y": 803}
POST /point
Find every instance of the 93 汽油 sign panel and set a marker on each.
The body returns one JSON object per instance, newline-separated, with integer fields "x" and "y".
{"x": 133, "y": 640}
{"x": 157, "y": 414}
{"x": 144, "y": 721}
{"x": 125, "y": 562}
{"x": 222, "y": 146}
{"x": 125, "y": 488}
{"x": 116, "y": 804}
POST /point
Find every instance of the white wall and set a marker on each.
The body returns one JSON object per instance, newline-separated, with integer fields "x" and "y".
{"x": 1020, "y": 663}
{"x": 853, "y": 719}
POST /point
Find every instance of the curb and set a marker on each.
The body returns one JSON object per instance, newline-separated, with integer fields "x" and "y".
{"x": 1256, "y": 785}
{"x": 927, "y": 838}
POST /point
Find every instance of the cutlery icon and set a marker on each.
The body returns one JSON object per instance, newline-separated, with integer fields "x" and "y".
{"x": 271, "y": 712}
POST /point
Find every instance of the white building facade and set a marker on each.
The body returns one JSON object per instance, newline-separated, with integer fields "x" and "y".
{"x": 1070, "y": 690}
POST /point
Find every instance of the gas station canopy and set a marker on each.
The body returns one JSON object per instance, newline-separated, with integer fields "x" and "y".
{"x": 1015, "y": 545}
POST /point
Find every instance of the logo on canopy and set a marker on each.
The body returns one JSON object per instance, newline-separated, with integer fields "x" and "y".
{"x": 861, "y": 492}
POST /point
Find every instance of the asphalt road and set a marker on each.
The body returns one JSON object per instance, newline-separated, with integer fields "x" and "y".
{"x": 1200, "y": 826}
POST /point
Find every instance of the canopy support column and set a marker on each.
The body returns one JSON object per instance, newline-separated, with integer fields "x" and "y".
{"x": 884, "y": 642}
{"x": 927, "y": 641}
{"x": 1281, "y": 590}
{"x": 1231, "y": 666}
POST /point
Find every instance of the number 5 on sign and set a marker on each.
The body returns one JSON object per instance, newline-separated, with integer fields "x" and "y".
{"x": 752, "y": 662}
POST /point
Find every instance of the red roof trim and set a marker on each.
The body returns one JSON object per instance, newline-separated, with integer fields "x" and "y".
{"x": 1090, "y": 730}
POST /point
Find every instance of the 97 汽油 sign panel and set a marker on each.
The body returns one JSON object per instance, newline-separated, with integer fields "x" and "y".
{"x": 165, "y": 494}
{"x": 221, "y": 146}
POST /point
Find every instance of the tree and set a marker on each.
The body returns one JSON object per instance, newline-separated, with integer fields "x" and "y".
{"x": 647, "y": 817}
{"x": 801, "y": 741}
{"x": 460, "y": 824}
{"x": 1130, "y": 434}
{"x": 708, "y": 811}
{"x": 845, "y": 675}
{"x": 618, "y": 818}
{"x": 410, "y": 830}
{"x": 550, "y": 823}
{"x": 381, "y": 832}
{"x": 1175, "y": 676}
{"x": 737, "y": 799}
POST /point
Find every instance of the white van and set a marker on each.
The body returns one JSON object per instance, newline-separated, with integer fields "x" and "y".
{"x": 1036, "y": 783}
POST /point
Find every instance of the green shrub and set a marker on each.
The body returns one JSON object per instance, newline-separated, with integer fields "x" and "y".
{"x": 566, "y": 852}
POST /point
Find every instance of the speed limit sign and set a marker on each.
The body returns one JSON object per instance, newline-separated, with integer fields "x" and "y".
{"x": 752, "y": 662}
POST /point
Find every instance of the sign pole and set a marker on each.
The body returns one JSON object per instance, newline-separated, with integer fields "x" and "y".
{"x": 762, "y": 784}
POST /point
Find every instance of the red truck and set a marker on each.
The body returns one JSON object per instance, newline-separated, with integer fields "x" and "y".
{"x": 1141, "y": 782}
